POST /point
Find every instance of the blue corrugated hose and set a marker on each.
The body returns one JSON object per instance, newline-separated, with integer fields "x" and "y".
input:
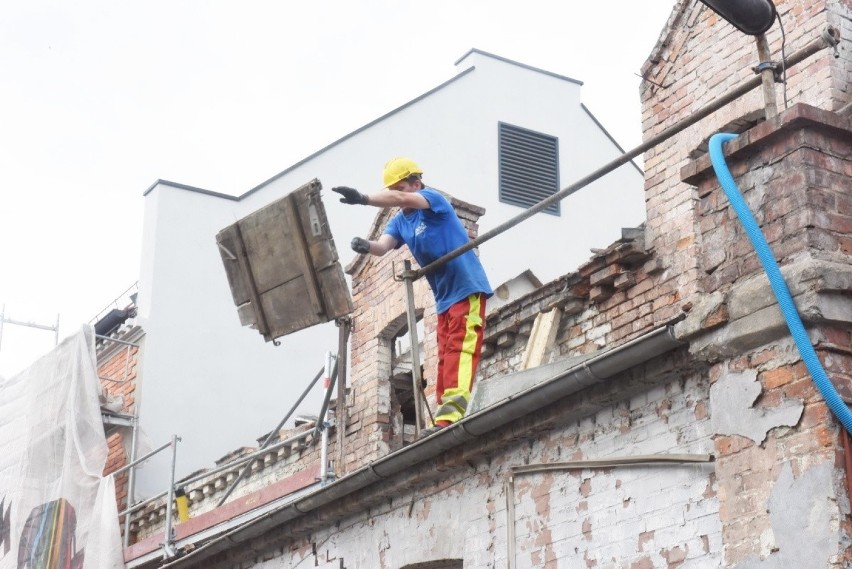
{"x": 779, "y": 287}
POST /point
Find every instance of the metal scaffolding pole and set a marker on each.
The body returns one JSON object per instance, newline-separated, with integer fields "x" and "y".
{"x": 323, "y": 424}
{"x": 408, "y": 276}
{"x": 271, "y": 435}
{"x": 169, "y": 541}
{"x": 5, "y": 320}
{"x": 341, "y": 412}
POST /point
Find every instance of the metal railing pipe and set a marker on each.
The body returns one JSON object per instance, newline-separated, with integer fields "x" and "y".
{"x": 168, "y": 542}
{"x": 271, "y": 434}
{"x": 342, "y": 412}
{"x": 230, "y": 465}
{"x": 117, "y": 341}
{"x": 131, "y": 478}
{"x": 323, "y": 423}
{"x": 326, "y": 401}
{"x": 416, "y": 379}
{"x": 141, "y": 459}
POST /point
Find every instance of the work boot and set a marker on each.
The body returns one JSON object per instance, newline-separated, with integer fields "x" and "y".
{"x": 434, "y": 429}
{"x": 430, "y": 431}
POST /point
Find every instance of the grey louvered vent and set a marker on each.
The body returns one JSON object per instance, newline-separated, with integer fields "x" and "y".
{"x": 529, "y": 167}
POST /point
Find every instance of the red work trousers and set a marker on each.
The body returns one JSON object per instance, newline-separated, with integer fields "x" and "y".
{"x": 460, "y": 331}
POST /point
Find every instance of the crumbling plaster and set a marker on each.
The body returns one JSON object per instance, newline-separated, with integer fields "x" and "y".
{"x": 750, "y": 311}
{"x": 612, "y": 517}
{"x": 732, "y": 399}
{"x": 803, "y": 532}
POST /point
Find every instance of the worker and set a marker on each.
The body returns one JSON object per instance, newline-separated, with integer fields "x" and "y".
{"x": 429, "y": 225}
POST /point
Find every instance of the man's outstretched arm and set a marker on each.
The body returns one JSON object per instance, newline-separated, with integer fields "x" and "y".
{"x": 412, "y": 200}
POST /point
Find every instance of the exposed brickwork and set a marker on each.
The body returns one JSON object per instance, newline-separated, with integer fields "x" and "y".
{"x": 794, "y": 172}
{"x": 795, "y": 179}
{"x": 455, "y": 506}
{"x": 699, "y": 58}
{"x": 117, "y": 370}
{"x": 690, "y": 261}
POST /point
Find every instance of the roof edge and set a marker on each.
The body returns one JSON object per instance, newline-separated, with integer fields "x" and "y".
{"x": 609, "y": 136}
{"x": 357, "y": 131}
{"x": 161, "y": 182}
{"x": 518, "y": 64}
{"x": 364, "y": 127}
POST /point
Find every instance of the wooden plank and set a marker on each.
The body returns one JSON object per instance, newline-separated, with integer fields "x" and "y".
{"x": 303, "y": 252}
{"x": 542, "y": 338}
{"x": 282, "y": 265}
{"x": 242, "y": 257}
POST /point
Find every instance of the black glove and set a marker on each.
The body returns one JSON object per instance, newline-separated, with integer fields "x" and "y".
{"x": 360, "y": 245}
{"x": 350, "y": 195}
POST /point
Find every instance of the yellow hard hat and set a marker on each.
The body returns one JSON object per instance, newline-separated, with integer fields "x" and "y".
{"x": 398, "y": 169}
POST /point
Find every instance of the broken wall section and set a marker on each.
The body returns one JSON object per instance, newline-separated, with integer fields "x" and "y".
{"x": 782, "y": 489}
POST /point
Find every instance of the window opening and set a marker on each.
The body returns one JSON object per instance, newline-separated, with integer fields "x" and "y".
{"x": 401, "y": 377}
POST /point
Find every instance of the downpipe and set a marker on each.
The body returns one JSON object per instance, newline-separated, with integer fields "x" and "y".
{"x": 776, "y": 280}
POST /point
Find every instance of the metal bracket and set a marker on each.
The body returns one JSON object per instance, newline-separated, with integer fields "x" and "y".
{"x": 405, "y": 274}
{"x": 777, "y": 69}
{"x": 829, "y": 37}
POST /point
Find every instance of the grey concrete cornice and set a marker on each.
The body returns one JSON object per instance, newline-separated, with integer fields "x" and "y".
{"x": 723, "y": 324}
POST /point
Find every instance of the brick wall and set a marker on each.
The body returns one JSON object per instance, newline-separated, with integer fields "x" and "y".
{"x": 117, "y": 369}
{"x": 776, "y": 494}
{"x": 455, "y": 507}
{"x": 699, "y": 58}
{"x": 794, "y": 172}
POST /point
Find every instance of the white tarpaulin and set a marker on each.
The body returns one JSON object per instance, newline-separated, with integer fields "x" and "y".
{"x": 56, "y": 510}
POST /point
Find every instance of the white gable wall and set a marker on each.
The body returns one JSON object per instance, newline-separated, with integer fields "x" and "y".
{"x": 207, "y": 379}
{"x": 452, "y": 135}
{"x": 219, "y": 385}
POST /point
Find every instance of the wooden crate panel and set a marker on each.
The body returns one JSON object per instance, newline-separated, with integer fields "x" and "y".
{"x": 282, "y": 265}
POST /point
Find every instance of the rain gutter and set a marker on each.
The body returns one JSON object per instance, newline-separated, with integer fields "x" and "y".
{"x": 595, "y": 370}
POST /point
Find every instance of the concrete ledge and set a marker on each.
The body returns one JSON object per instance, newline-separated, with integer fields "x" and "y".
{"x": 820, "y": 290}
{"x": 799, "y": 116}
{"x": 493, "y": 390}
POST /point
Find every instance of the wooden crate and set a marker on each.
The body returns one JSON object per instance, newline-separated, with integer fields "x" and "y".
{"x": 282, "y": 265}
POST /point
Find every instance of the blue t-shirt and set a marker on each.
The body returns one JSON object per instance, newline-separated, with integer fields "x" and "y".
{"x": 431, "y": 234}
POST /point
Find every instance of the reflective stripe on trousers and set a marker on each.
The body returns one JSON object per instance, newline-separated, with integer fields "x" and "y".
{"x": 460, "y": 331}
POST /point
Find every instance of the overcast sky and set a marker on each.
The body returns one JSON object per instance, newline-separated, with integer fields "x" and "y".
{"x": 100, "y": 99}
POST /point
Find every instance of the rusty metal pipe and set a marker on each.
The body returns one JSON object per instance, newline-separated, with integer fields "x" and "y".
{"x": 767, "y": 77}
